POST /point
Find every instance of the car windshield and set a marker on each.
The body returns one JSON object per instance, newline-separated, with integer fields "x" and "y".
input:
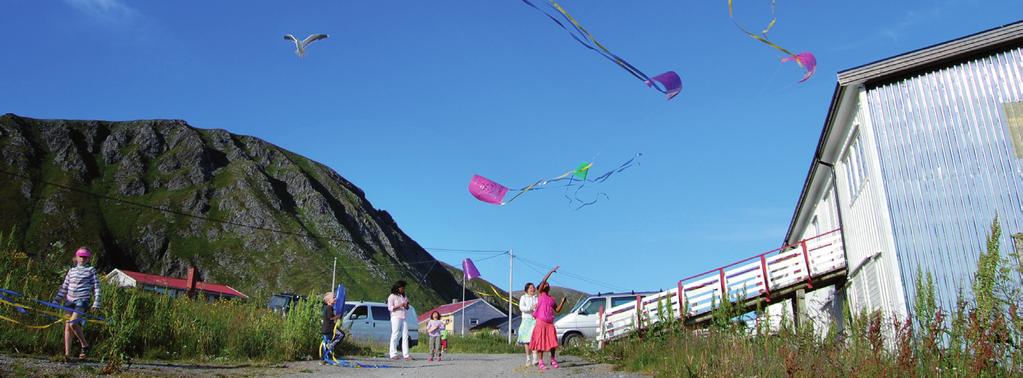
{"x": 578, "y": 305}
{"x": 348, "y": 307}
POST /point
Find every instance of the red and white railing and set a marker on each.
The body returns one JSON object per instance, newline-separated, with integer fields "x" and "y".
{"x": 741, "y": 281}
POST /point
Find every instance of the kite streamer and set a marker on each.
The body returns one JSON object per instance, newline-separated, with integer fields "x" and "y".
{"x": 8, "y": 299}
{"x": 804, "y": 59}
{"x": 668, "y": 83}
{"x": 491, "y": 192}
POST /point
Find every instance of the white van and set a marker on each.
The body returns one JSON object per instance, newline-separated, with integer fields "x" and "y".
{"x": 371, "y": 322}
{"x": 580, "y": 324}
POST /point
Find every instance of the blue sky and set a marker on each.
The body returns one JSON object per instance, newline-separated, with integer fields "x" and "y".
{"x": 409, "y": 99}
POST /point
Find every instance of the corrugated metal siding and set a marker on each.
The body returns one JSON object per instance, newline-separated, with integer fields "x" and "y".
{"x": 949, "y": 166}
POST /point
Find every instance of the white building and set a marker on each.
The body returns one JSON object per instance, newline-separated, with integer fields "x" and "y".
{"x": 918, "y": 154}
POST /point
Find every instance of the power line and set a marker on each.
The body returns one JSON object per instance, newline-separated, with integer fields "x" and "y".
{"x": 453, "y": 250}
{"x": 228, "y": 222}
{"x": 172, "y": 211}
{"x": 571, "y": 275}
{"x": 491, "y": 257}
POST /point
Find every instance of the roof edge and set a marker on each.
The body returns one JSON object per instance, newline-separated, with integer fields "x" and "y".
{"x": 936, "y": 55}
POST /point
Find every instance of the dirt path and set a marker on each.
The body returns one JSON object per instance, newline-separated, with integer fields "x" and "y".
{"x": 456, "y": 365}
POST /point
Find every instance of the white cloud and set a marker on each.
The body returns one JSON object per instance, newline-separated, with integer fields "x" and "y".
{"x": 111, "y": 11}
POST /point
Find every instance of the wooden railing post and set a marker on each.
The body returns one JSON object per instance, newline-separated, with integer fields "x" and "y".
{"x": 766, "y": 280}
{"x": 681, "y": 304}
{"x": 724, "y": 288}
{"x": 809, "y": 271}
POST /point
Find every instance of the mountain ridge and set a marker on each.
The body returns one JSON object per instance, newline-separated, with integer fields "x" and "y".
{"x": 160, "y": 195}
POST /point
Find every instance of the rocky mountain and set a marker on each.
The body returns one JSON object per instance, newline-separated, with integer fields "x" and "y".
{"x": 159, "y": 195}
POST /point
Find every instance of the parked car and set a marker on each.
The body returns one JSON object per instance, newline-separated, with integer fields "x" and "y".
{"x": 371, "y": 321}
{"x": 283, "y": 302}
{"x": 580, "y": 324}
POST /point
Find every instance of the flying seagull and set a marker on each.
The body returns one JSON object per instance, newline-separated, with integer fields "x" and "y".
{"x": 301, "y": 45}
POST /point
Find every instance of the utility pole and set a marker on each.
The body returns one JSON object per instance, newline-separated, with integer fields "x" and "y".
{"x": 462, "y": 311}
{"x": 510, "y": 256}
{"x": 333, "y": 275}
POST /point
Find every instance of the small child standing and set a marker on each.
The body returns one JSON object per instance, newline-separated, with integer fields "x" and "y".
{"x": 444, "y": 337}
{"x": 80, "y": 283}
{"x": 327, "y": 329}
{"x": 434, "y": 329}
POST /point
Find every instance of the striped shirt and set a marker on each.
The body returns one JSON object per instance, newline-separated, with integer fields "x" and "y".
{"x": 79, "y": 283}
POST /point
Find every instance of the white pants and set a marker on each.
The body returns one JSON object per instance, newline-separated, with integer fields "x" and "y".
{"x": 399, "y": 328}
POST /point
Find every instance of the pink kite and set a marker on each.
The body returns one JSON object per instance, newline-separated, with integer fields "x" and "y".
{"x": 469, "y": 269}
{"x": 486, "y": 190}
{"x": 806, "y": 60}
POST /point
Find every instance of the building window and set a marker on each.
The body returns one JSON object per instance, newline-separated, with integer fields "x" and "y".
{"x": 855, "y": 166}
{"x": 474, "y": 321}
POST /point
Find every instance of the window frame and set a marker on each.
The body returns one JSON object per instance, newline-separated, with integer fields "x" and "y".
{"x": 854, "y": 166}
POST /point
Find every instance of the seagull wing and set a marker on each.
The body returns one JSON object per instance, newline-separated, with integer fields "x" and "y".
{"x": 289, "y": 37}
{"x": 314, "y": 37}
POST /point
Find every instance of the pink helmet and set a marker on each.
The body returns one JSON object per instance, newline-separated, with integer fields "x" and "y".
{"x": 83, "y": 252}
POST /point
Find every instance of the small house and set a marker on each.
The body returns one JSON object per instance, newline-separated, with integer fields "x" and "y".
{"x": 173, "y": 287}
{"x": 476, "y": 312}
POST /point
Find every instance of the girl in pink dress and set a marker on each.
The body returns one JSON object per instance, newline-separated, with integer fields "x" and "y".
{"x": 545, "y": 335}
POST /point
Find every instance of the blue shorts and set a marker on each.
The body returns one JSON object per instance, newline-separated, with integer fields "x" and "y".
{"x": 80, "y": 305}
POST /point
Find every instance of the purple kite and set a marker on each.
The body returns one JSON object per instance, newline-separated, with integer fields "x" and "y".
{"x": 806, "y": 60}
{"x": 470, "y": 270}
{"x": 670, "y": 80}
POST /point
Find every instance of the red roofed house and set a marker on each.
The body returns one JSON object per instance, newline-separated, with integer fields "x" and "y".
{"x": 173, "y": 286}
{"x": 477, "y": 312}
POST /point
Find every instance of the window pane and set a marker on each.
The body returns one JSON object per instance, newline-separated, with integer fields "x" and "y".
{"x": 381, "y": 313}
{"x": 618, "y": 301}
{"x": 360, "y": 313}
{"x": 347, "y": 308}
{"x": 594, "y": 306}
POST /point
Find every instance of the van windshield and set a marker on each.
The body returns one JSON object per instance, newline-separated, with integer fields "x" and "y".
{"x": 578, "y": 305}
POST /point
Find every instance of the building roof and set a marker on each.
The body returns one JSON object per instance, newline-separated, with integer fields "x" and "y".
{"x": 900, "y": 66}
{"x": 447, "y": 309}
{"x": 935, "y": 56}
{"x": 181, "y": 283}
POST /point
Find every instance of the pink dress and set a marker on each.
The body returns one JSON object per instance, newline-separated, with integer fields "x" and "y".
{"x": 545, "y": 335}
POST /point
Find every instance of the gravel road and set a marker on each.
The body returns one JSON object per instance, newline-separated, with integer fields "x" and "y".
{"x": 455, "y": 365}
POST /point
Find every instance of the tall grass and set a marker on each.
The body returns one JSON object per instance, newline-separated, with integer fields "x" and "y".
{"x": 146, "y": 325}
{"x": 979, "y": 337}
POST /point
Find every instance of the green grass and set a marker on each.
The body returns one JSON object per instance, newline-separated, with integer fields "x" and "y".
{"x": 473, "y": 343}
{"x": 143, "y": 325}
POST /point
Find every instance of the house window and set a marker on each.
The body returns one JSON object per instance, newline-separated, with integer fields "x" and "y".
{"x": 474, "y": 321}
{"x": 855, "y": 166}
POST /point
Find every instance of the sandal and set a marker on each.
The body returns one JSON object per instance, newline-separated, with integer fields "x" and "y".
{"x": 81, "y": 355}
{"x": 542, "y": 366}
{"x": 554, "y": 364}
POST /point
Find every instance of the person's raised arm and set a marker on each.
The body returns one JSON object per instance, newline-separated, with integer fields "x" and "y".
{"x": 561, "y": 304}
{"x": 544, "y": 280}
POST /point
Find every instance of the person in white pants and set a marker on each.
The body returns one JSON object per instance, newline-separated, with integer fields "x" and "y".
{"x": 397, "y": 303}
